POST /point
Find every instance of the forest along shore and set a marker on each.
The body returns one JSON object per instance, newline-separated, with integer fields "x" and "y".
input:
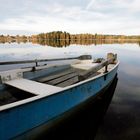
{"x": 59, "y": 38}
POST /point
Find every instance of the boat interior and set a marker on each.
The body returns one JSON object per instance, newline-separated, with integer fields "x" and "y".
{"x": 53, "y": 81}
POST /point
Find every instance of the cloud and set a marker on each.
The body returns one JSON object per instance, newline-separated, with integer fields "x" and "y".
{"x": 116, "y": 6}
{"x": 101, "y": 16}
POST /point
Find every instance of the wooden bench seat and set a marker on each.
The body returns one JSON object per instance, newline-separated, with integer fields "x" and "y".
{"x": 33, "y": 87}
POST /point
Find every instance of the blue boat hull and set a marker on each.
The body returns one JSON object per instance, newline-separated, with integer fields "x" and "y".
{"x": 20, "y": 119}
{"x": 85, "y": 117}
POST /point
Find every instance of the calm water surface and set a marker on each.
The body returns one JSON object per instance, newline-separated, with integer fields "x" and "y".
{"x": 122, "y": 119}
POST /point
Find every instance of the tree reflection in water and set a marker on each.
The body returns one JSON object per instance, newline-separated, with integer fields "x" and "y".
{"x": 65, "y": 43}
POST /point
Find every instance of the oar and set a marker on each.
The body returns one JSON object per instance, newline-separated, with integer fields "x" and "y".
{"x": 82, "y": 57}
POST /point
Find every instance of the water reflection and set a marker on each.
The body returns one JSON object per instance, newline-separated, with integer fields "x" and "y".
{"x": 64, "y": 43}
{"x": 68, "y": 42}
{"x": 122, "y": 119}
{"x": 81, "y": 124}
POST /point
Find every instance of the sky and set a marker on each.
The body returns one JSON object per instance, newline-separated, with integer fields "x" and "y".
{"x": 74, "y": 16}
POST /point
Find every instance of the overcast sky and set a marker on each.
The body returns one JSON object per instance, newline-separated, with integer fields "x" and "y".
{"x": 74, "y": 16}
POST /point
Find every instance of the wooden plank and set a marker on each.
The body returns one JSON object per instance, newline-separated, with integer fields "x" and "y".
{"x": 60, "y": 74}
{"x": 33, "y": 87}
{"x": 68, "y": 82}
{"x": 62, "y": 78}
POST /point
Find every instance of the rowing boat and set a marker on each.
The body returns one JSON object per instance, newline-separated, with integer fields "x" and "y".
{"x": 38, "y": 95}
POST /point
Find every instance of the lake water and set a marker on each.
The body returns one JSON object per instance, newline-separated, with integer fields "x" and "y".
{"x": 122, "y": 119}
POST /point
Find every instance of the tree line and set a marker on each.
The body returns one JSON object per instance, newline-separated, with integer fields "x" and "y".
{"x": 65, "y": 38}
{"x": 59, "y": 35}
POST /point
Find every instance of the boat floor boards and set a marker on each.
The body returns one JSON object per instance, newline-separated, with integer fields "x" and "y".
{"x": 68, "y": 76}
{"x": 33, "y": 86}
{"x": 55, "y": 76}
{"x": 63, "y": 78}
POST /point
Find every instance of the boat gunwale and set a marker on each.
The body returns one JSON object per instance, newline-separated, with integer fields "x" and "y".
{"x": 32, "y": 99}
